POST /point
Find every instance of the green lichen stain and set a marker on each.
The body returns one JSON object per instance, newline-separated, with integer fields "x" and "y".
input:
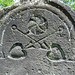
{"x": 53, "y": 45}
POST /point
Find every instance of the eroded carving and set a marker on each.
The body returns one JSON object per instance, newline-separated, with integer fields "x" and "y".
{"x": 56, "y": 52}
{"x": 16, "y": 51}
{"x": 37, "y": 24}
{"x": 28, "y": 36}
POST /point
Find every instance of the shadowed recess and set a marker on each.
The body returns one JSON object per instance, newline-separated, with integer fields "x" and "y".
{"x": 59, "y": 48}
{"x": 16, "y": 51}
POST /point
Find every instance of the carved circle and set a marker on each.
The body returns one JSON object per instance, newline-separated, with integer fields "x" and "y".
{"x": 14, "y": 27}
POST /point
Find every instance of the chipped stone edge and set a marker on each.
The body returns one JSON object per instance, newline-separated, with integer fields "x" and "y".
{"x": 66, "y": 7}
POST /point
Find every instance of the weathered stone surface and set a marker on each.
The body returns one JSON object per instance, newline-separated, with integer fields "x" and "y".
{"x": 37, "y": 38}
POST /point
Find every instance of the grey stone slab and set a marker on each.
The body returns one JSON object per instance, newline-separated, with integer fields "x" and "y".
{"x": 37, "y": 38}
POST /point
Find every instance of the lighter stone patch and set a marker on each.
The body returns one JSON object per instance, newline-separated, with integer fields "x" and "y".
{"x": 27, "y": 74}
{"x": 16, "y": 1}
{"x": 21, "y": 58}
{"x": 68, "y": 32}
{"x": 2, "y": 37}
{"x": 39, "y": 71}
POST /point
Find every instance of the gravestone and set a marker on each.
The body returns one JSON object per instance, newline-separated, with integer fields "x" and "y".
{"x": 37, "y": 37}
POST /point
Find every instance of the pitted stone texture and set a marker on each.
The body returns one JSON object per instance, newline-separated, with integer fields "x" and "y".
{"x": 37, "y": 40}
{"x": 45, "y": 28}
